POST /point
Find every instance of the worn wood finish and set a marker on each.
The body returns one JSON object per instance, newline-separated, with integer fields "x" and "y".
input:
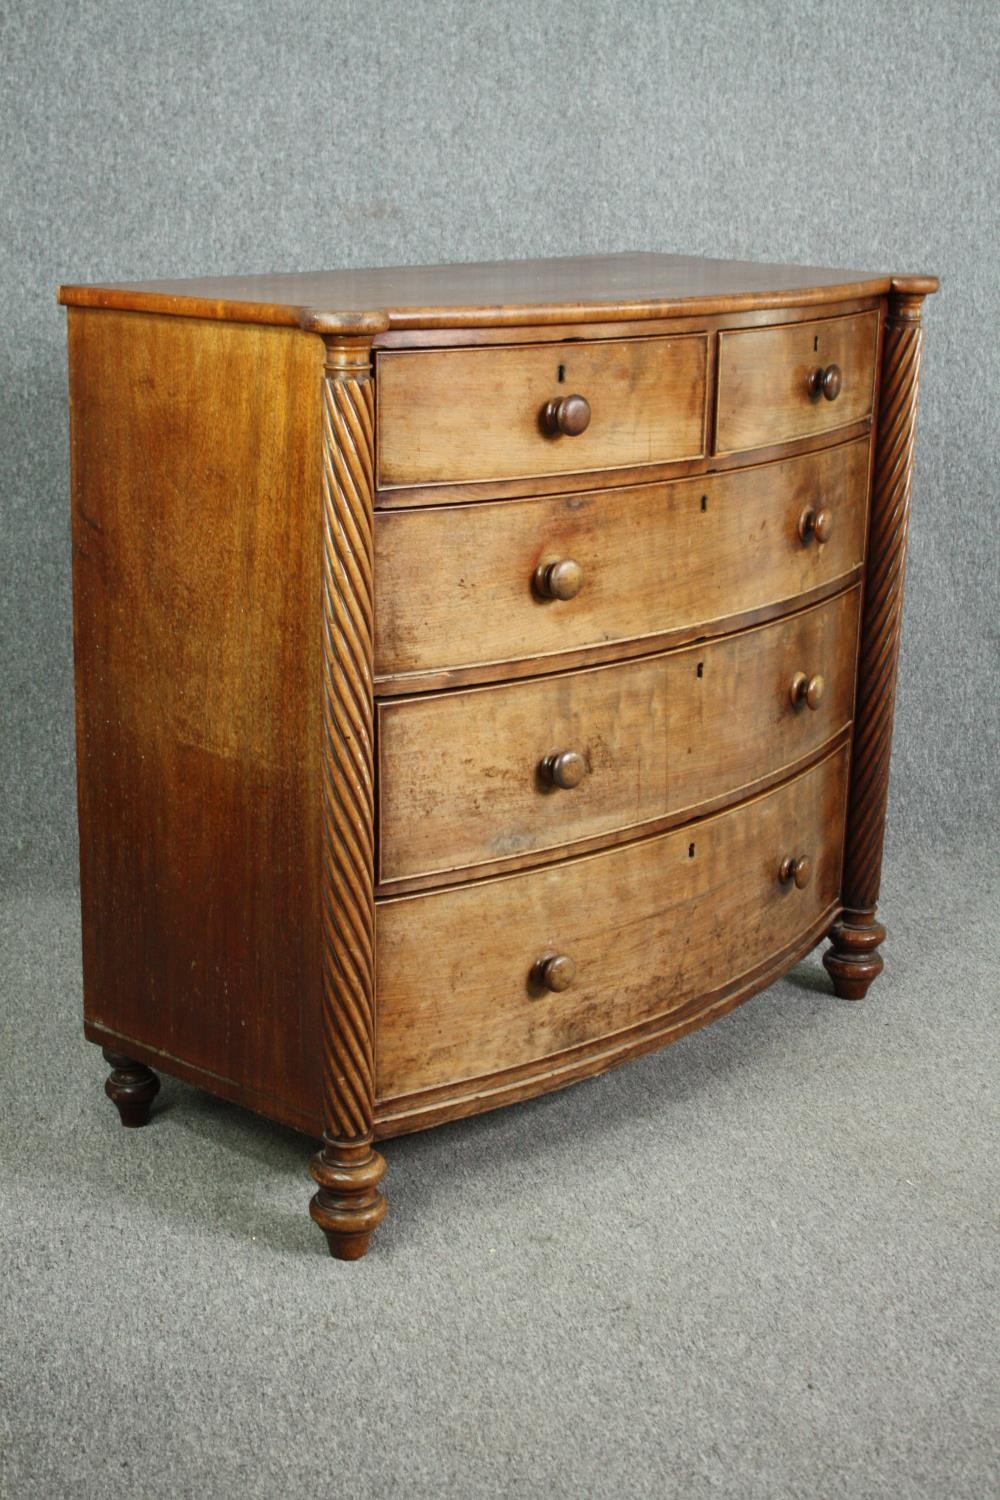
{"x": 476, "y": 414}
{"x": 302, "y": 1110}
{"x": 771, "y": 381}
{"x": 465, "y": 776}
{"x": 436, "y": 1106}
{"x": 534, "y": 293}
{"x": 853, "y": 961}
{"x": 647, "y": 327}
{"x": 195, "y": 465}
{"x": 348, "y": 1205}
{"x": 728, "y": 544}
{"x": 581, "y": 671}
{"x": 474, "y": 491}
{"x": 649, "y": 926}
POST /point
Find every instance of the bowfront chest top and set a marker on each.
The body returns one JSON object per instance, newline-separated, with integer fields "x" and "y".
{"x": 484, "y": 673}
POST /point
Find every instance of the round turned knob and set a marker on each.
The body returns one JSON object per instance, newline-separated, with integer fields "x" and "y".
{"x": 826, "y": 382}
{"x": 799, "y": 870}
{"x": 816, "y": 524}
{"x": 559, "y": 580}
{"x": 556, "y": 971}
{"x": 569, "y": 415}
{"x": 807, "y": 690}
{"x": 565, "y": 768}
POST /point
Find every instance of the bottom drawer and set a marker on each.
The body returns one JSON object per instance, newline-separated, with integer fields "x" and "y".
{"x": 647, "y": 929}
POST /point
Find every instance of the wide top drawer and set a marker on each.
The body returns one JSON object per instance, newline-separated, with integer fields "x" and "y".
{"x": 776, "y": 385}
{"x": 457, "y": 415}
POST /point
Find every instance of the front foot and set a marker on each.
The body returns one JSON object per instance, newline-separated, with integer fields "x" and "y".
{"x": 348, "y": 1205}
{"x": 132, "y": 1087}
{"x": 853, "y": 960}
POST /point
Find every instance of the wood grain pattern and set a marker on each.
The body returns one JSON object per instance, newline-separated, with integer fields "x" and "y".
{"x": 348, "y": 1205}
{"x": 195, "y": 459}
{"x": 649, "y": 926}
{"x": 476, "y": 414}
{"x": 613, "y": 795}
{"x": 853, "y": 961}
{"x": 435, "y": 1106}
{"x": 570, "y": 289}
{"x": 460, "y": 773}
{"x": 456, "y": 585}
{"x": 463, "y": 492}
{"x": 765, "y": 392}
{"x": 647, "y": 327}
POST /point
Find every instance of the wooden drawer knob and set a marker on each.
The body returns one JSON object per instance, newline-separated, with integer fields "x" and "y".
{"x": 815, "y": 525}
{"x": 556, "y": 971}
{"x": 807, "y": 690}
{"x": 559, "y": 580}
{"x": 569, "y": 415}
{"x": 797, "y": 870}
{"x": 565, "y": 768}
{"x": 826, "y": 382}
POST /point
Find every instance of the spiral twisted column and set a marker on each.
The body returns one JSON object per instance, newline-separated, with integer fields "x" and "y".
{"x": 348, "y": 1204}
{"x": 853, "y": 960}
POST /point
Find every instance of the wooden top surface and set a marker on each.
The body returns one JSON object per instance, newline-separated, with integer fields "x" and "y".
{"x": 498, "y": 294}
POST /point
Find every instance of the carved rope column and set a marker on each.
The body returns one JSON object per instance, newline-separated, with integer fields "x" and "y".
{"x": 348, "y": 1204}
{"x": 853, "y": 960}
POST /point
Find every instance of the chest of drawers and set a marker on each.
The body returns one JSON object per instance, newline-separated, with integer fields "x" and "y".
{"x": 485, "y": 674}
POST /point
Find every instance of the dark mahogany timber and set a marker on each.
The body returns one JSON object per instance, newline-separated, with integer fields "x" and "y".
{"x": 348, "y": 1205}
{"x": 507, "y": 294}
{"x": 826, "y": 382}
{"x": 131, "y": 1087}
{"x": 569, "y": 415}
{"x": 853, "y": 960}
{"x": 484, "y": 674}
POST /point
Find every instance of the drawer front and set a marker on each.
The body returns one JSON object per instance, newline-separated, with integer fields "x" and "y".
{"x": 650, "y": 927}
{"x": 451, "y": 415}
{"x": 770, "y": 385}
{"x": 471, "y": 777}
{"x": 455, "y": 586}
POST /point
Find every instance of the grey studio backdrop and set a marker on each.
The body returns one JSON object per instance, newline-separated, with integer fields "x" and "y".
{"x": 760, "y": 1265}
{"x": 147, "y": 139}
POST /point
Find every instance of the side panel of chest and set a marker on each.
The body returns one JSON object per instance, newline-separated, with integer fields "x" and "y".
{"x": 196, "y": 452}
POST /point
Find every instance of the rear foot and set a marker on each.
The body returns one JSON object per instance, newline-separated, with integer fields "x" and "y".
{"x": 132, "y": 1087}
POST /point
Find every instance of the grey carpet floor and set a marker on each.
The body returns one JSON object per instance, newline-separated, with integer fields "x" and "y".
{"x": 760, "y": 1264}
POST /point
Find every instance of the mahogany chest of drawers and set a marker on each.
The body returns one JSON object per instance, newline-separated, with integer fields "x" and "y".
{"x": 485, "y": 674}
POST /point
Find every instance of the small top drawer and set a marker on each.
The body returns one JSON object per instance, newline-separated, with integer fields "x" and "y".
{"x": 456, "y": 415}
{"x": 796, "y": 381}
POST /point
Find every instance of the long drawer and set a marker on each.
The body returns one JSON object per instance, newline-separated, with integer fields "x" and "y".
{"x": 494, "y": 975}
{"x": 471, "y": 777}
{"x": 475, "y": 586}
{"x": 480, "y": 414}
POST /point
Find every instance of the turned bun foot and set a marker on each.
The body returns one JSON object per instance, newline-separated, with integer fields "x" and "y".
{"x": 348, "y": 1205}
{"x": 853, "y": 960}
{"x": 131, "y": 1087}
